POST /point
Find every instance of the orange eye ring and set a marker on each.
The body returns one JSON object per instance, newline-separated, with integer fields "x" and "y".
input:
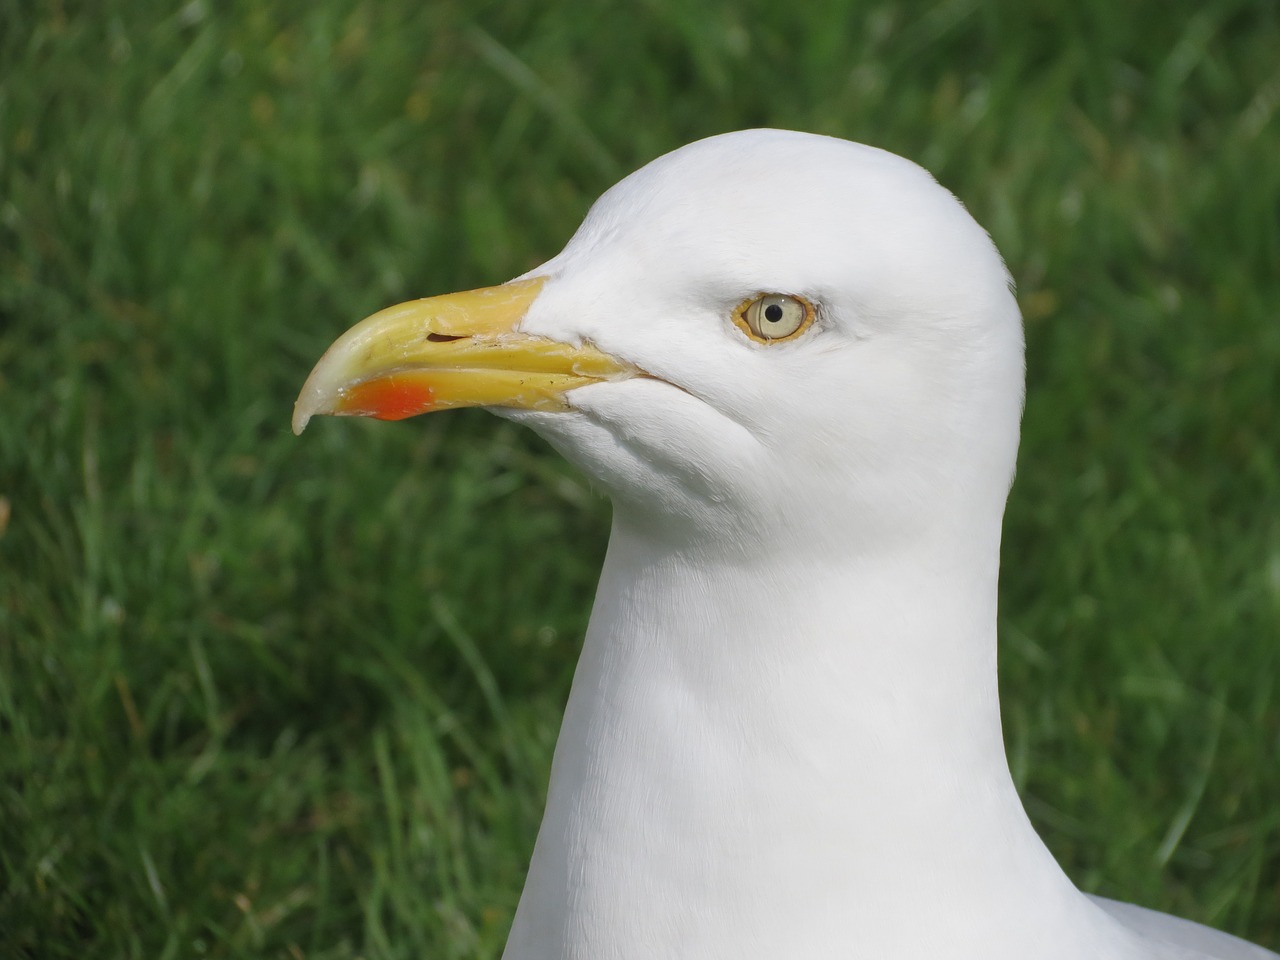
{"x": 774, "y": 317}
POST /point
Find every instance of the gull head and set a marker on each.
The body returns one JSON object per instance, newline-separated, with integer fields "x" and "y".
{"x": 764, "y": 334}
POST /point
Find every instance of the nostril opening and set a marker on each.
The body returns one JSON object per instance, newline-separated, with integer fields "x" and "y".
{"x": 442, "y": 338}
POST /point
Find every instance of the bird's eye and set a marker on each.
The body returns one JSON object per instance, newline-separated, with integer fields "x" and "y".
{"x": 774, "y": 316}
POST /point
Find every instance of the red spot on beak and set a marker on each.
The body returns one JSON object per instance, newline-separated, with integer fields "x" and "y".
{"x": 388, "y": 398}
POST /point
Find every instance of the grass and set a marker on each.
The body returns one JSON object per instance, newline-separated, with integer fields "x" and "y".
{"x": 269, "y": 697}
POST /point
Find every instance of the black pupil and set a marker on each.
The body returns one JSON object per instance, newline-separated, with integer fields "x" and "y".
{"x": 773, "y": 313}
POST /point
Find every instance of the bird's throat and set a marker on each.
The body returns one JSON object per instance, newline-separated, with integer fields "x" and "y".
{"x": 752, "y": 749}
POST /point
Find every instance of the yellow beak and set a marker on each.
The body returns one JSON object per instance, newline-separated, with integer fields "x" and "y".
{"x": 457, "y": 350}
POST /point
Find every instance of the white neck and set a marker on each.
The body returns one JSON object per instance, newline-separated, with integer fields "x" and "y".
{"x": 799, "y": 759}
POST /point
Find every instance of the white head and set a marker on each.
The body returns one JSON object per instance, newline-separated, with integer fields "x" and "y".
{"x": 895, "y": 410}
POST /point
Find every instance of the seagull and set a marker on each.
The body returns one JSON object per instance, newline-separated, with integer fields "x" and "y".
{"x": 795, "y": 364}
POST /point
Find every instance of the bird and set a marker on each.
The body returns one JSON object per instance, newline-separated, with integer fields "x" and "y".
{"x": 795, "y": 364}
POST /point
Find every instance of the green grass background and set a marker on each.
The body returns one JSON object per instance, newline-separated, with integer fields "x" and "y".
{"x": 273, "y": 697}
